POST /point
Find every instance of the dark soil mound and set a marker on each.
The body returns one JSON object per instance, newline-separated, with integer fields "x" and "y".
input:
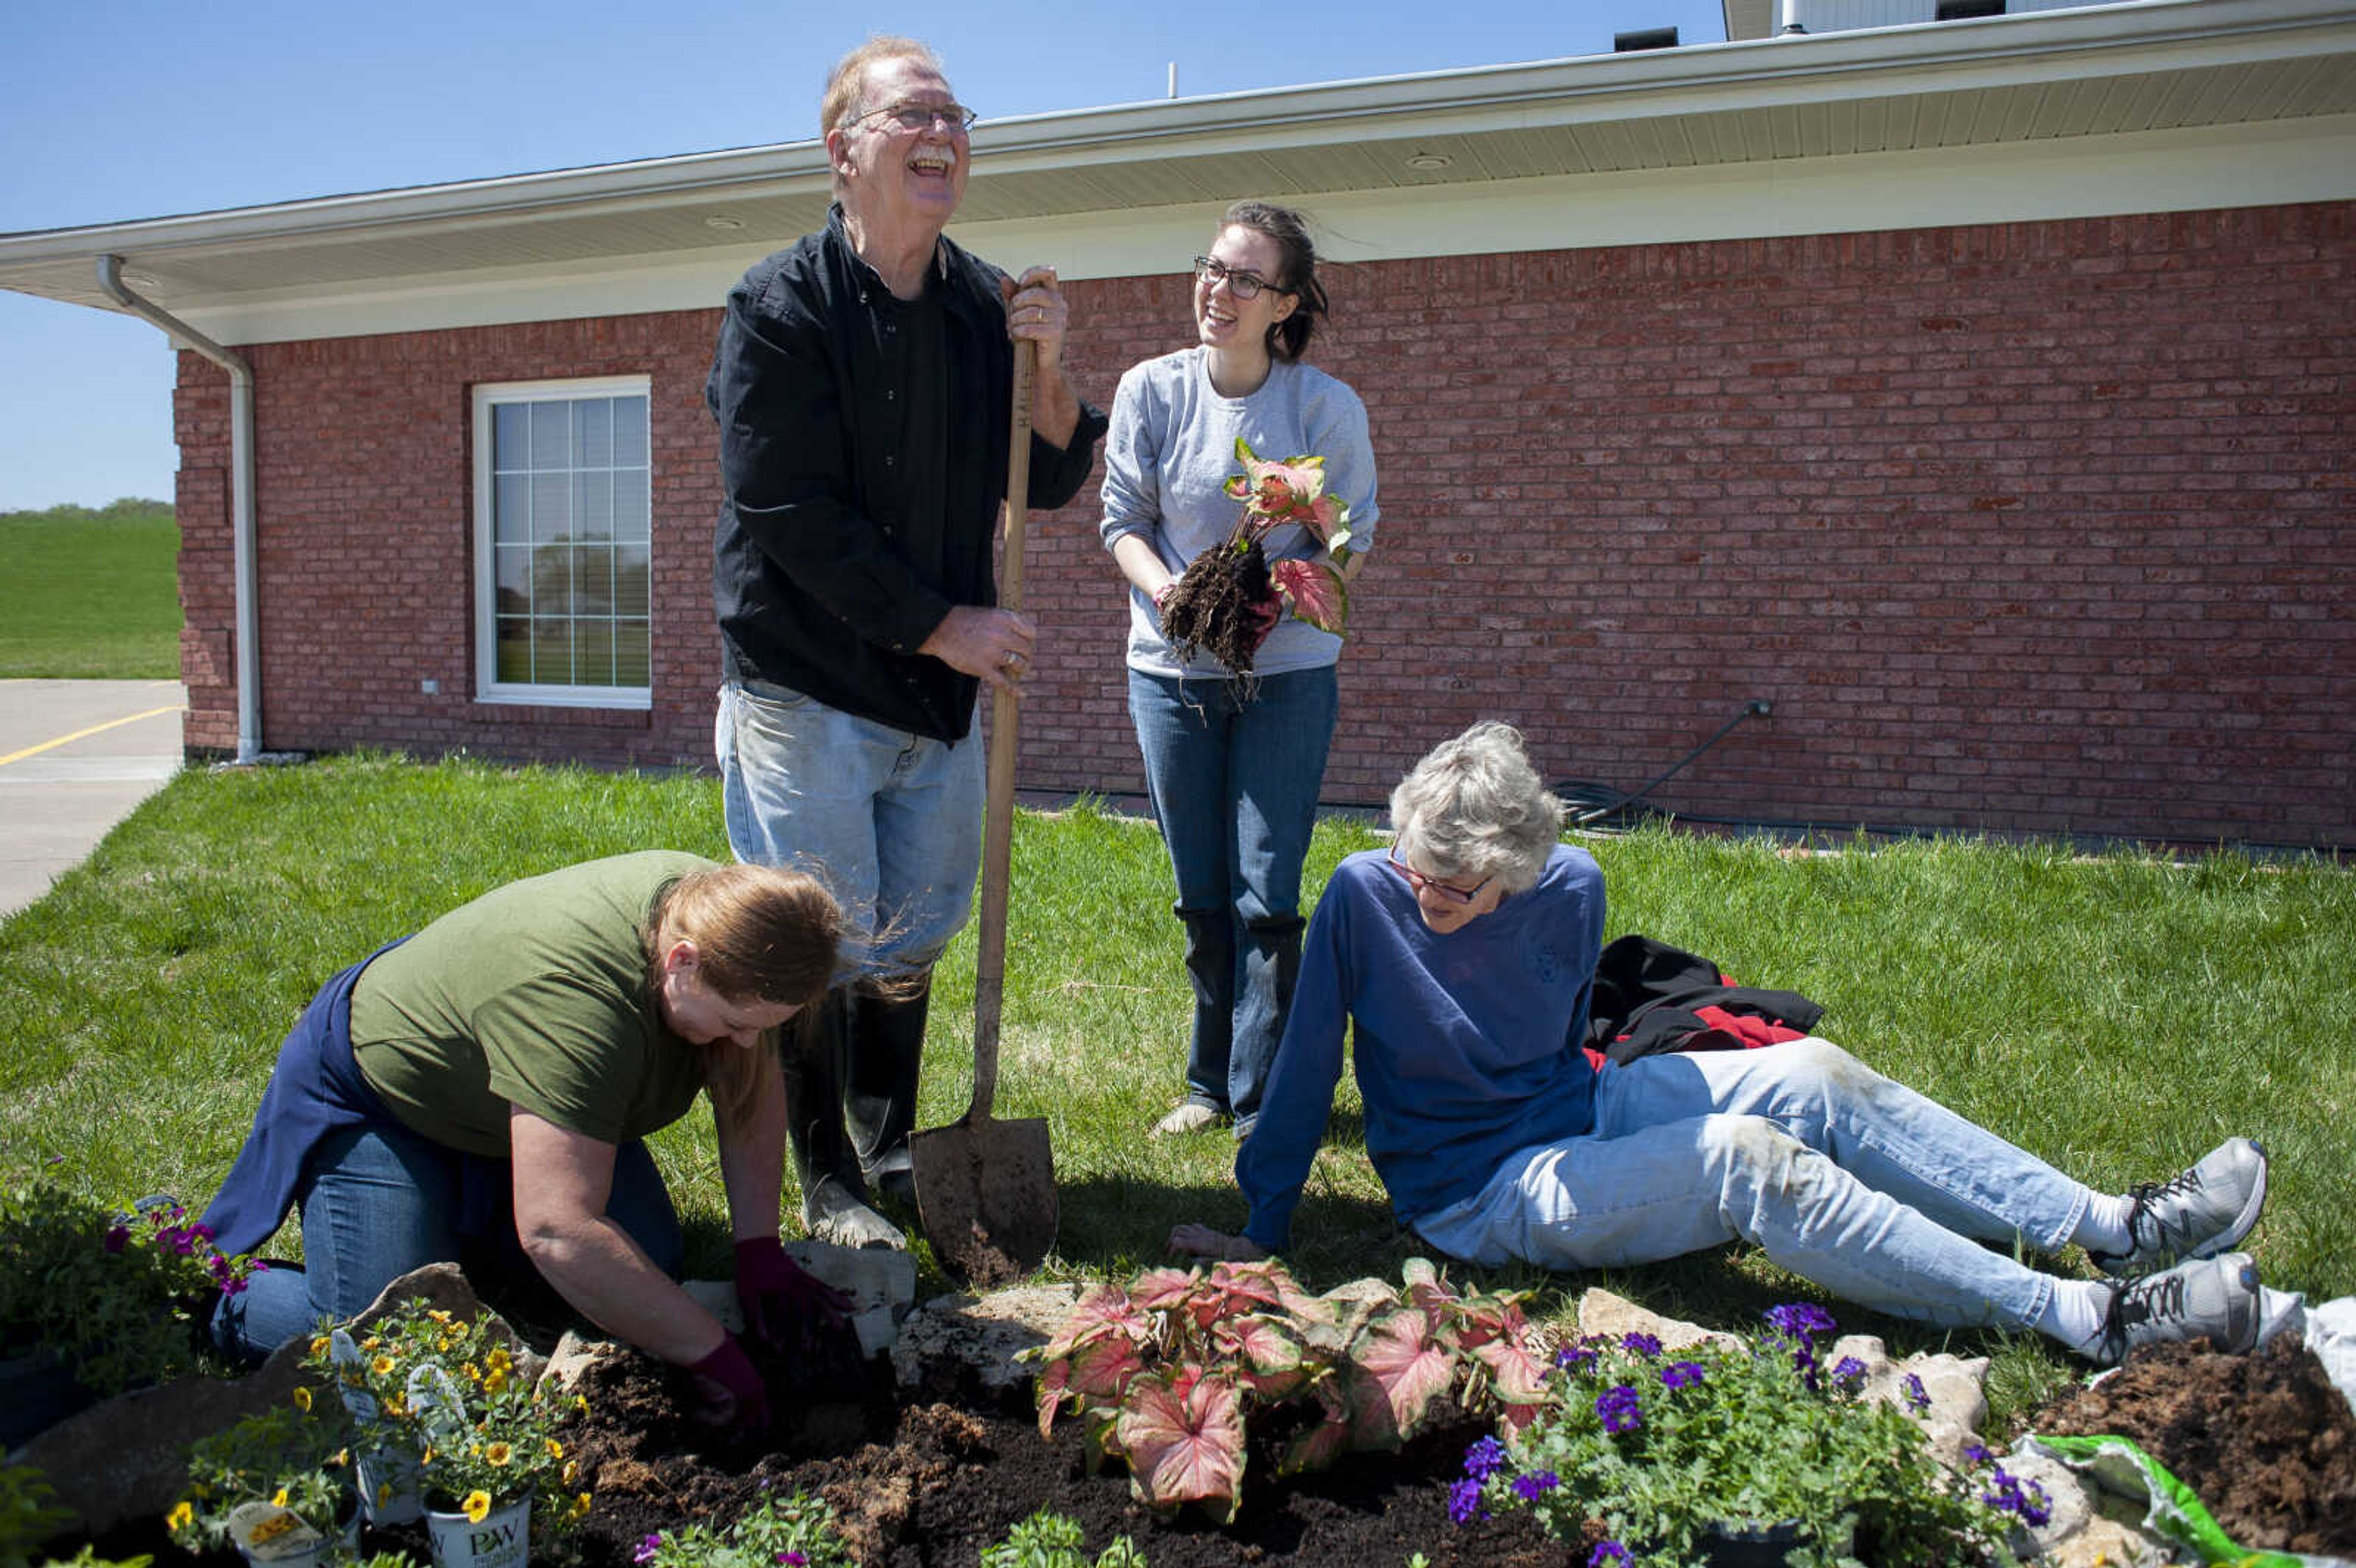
{"x": 929, "y": 1486}
{"x": 2264, "y": 1439}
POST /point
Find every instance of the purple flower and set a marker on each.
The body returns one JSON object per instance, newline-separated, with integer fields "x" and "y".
{"x": 647, "y": 1548}
{"x": 1576, "y": 1357}
{"x": 1849, "y": 1370}
{"x": 794, "y": 1559}
{"x": 1530, "y": 1487}
{"x": 1681, "y": 1374}
{"x": 1465, "y": 1501}
{"x": 1918, "y": 1398}
{"x": 1484, "y": 1458}
{"x": 2009, "y": 1494}
{"x": 116, "y": 1239}
{"x": 1975, "y": 1455}
{"x": 1620, "y": 1409}
{"x": 1801, "y": 1320}
{"x": 1644, "y": 1345}
{"x": 1609, "y": 1555}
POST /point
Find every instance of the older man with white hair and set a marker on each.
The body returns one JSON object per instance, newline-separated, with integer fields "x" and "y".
{"x": 862, "y": 388}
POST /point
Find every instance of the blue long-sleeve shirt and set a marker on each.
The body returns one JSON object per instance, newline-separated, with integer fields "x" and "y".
{"x": 1465, "y": 1046}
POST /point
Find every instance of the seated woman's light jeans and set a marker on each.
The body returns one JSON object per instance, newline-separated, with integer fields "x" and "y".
{"x": 1840, "y": 1175}
{"x": 889, "y": 821}
{"x": 379, "y": 1201}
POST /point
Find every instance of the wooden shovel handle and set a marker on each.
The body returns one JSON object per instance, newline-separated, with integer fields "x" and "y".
{"x": 997, "y": 816}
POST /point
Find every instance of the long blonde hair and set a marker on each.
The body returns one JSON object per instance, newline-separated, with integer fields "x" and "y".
{"x": 761, "y": 933}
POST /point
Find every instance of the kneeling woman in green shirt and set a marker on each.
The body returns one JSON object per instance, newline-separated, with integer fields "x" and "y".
{"x": 488, "y": 1086}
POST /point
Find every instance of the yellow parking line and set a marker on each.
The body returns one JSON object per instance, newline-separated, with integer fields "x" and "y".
{"x": 93, "y": 729}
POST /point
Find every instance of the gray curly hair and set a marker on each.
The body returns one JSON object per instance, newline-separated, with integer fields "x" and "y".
{"x": 1475, "y": 809}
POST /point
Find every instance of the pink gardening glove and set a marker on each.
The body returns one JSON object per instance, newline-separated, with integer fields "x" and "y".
{"x": 729, "y": 1389}
{"x": 786, "y": 1305}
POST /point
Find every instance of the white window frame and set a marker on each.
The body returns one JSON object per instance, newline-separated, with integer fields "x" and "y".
{"x": 488, "y": 398}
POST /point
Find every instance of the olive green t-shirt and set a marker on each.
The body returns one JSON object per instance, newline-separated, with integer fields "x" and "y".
{"x": 533, "y": 995}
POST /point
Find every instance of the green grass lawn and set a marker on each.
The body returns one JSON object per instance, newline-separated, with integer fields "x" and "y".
{"x": 2119, "y": 1016}
{"x": 92, "y": 595}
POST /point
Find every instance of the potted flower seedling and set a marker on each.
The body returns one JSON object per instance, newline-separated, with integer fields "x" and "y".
{"x": 1227, "y": 598}
{"x": 96, "y": 1300}
{"x": 1730, "y": 1457}
{"x": 277, "y": 1485}
{"x": 444, "y": 1394}
{"x": 797, "y": 1531}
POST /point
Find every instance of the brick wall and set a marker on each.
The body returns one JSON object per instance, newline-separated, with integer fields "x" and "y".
{"x": 2045, "y": 527}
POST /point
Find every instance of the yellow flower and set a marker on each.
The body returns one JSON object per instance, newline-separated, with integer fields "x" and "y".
{"x": 381, "y": 1366}
{"x": 371, "y": 1343}
{"x": 571, "y": 1471}
{"x": 580, "y": 1505}
{"x": 395, "y": 1405}
{"x": 280, "y": 1500}
{"x": 497, "y": 1454}
{"x": 183, "y": 1515}
{"x": 580, "y": 1402}
{"x": 474, "y": 1373}
{"x": 477, "y": 1504}
{"x": 555, "y": 1449}
{"x": 319, "y": 1346}
{"x": 438, "y": 1315}
{"x": 302, "y": 1398}
{"x": 496, "y": 1381}
{"x": 343, "y": 1456}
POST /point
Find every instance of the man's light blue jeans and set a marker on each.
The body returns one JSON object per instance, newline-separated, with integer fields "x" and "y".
{"x": 890, "y": 822}
{"x": 381, "y": 1200}
{"x": 1840, "y": 1175}
{"x": 1234, "y": 783}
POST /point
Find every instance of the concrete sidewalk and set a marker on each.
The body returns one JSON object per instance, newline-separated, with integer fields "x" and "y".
{"x": 75, "y": 757}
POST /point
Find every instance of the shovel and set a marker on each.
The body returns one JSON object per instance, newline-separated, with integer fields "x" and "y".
{"x": 986, "y": 1189}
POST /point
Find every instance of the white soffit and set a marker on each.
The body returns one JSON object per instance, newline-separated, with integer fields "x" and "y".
{"x": 2162, "y": 171}
{"x": 2089, "y": 105}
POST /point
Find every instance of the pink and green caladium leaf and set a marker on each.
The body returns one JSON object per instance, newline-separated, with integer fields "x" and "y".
{"x": 1184, "y": 1439}
{"x": 1160, "y": 1289}
{"x": 1403, "y": 1366}
{"x": 1100, "y": 1311}
{"x": 1272, "y": 1356}
{"x": 1518, "y": 1376}
{"x": 1316, "y": 592}
{"x": 1318, "y": 1448}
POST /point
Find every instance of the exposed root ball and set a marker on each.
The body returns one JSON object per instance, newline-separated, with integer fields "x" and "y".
{"x": 1216, "y": 607}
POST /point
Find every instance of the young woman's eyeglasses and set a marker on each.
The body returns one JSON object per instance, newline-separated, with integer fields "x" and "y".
{"x": 1243, "y": 285}
{"x": 951, "y": 117}
{"x": 1420, "y": 882}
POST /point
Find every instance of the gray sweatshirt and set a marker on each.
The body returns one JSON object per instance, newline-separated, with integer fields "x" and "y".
{"x": 1173, "y": 448}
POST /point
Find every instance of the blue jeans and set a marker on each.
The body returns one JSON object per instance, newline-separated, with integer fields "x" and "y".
{"x": 381, "y": 1200}
{"x": 1840, "y": 1175}
{"x": 889, "y": 821}
{"x": 1234, "y": 783}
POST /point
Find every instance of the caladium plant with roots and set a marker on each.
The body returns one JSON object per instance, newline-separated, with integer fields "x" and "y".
{"x": 1166, "y": 1371}
{"x": 1229, "y": 597}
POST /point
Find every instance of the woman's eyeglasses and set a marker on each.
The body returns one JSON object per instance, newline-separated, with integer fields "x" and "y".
{"x": 951, "y": 117}
{"x": 1243, "y": 285}
{"x": 1421, "y": 883}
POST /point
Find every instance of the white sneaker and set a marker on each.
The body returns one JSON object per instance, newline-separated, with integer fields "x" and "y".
{"x": 1190, "y": 1117}
{"x": 2212, "y": 1298}
{"x": 2199, "y": 1214}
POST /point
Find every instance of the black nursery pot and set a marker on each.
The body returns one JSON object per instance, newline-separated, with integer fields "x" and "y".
{"x": 36, "y": 1391}
{"x": 1747, "y": 1545}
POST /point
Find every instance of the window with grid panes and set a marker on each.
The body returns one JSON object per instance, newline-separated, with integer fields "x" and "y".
{"x": 563, "y": 529}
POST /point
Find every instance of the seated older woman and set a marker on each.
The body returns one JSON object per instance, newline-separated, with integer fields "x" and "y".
{"x": 1464, "y": 957}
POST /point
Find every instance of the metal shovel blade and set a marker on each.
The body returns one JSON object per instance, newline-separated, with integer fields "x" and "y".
{"x": 985, "y": 1191}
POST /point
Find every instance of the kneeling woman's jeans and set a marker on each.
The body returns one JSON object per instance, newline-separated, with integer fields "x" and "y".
{"x": 1234, "y": 779}
{"x": 381, "y": 1200}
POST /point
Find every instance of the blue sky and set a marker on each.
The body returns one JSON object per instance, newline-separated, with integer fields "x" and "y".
{"x": 140, "y": 109}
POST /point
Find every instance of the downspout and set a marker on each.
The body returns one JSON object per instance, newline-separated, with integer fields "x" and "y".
{"x": 240, "y": 497}
{"x": 1790, "y": 28}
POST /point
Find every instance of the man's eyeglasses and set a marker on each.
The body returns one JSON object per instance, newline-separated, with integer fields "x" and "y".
{"x": 1420, "y": 882}
{"x": 1243, "y": 285}
{"x": 951, "y": 117}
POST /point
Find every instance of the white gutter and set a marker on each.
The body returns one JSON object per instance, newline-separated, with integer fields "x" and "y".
{"x": 241, "y": 497}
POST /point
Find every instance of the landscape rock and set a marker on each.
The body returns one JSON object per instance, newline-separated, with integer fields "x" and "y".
{"x": 1956, "y": 1386}
{"x": 125, "y": 1459}
{"x": 1600, "y": 1312}
{"x": 575, "y": 1355}
{"x": 961, "y": 1349}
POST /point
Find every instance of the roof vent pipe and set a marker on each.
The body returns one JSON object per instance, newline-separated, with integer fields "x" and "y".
{"x": 240, "y": 495}
{"x": 1791, "y": 25}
